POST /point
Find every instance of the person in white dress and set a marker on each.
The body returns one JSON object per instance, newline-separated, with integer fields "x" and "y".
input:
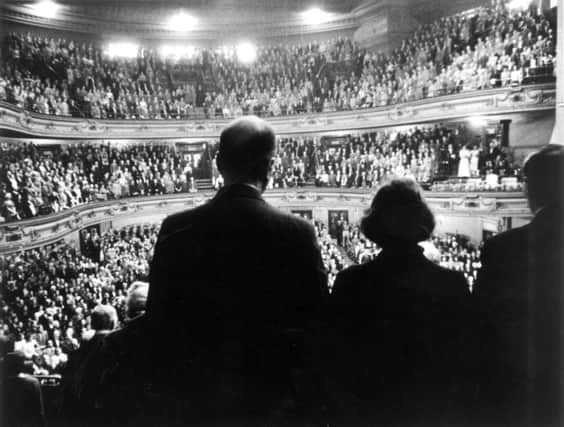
{"x": 464, "y": 163}
{"x": 474, "y": 161}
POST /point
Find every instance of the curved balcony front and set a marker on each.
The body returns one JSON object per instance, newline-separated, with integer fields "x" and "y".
{"x": 318, "y": 202}
{"x": 507, "y": 100}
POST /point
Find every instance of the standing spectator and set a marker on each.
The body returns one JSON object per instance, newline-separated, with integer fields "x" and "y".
{"x": 397, "y": 323}
{"x": 241, "y": 295}
{"x": 464, "y": 163}
{"x": 520, "y": 297}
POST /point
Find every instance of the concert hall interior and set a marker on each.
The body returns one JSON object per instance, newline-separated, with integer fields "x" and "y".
{"x": 282, "y": 212}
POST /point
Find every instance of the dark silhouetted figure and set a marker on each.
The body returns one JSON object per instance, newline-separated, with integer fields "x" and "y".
{"x": 234, "y": 284}
{"x": 83, "y": 383}
{"x": 519, "y": 293}
{"x": 397, "y": 324}
{"x": 123, "y": 392}
{"x": 22, "y": 400}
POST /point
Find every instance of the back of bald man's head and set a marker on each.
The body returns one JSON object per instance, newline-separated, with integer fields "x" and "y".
{"x": 246, "y": 147}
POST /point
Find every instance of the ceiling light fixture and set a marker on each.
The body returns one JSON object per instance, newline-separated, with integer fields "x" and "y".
{"x": 315, "y": 16}
{"x": 46, "y": 9}
{"x": 181, "y": 22}
{"x": 246, "y": 52}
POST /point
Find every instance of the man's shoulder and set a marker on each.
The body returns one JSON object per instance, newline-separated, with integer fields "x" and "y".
{"x": 354, "y": 273}
{"x": 284, "y": 220}
{"x": 298, "y": 223}
{"x": 447, "y": 281}
{"x": 509, "y": 241}
{"x": 178, "y": 220}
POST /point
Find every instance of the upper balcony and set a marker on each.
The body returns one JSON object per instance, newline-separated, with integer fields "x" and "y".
{"x": 18, "y": 122}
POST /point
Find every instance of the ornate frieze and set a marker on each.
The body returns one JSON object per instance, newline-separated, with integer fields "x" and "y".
{"x": 46, "y": 229}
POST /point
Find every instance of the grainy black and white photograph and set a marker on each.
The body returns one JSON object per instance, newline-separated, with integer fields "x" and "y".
{"x": 268, "y": 213}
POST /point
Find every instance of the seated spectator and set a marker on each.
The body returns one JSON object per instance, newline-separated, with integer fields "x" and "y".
{"x": 398, "y": 323}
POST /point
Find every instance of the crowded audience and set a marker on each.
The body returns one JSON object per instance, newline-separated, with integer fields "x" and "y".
{"x": 48, "y": 179}
{"x": 49, "y": 293}
{"x": 408, "y": 338}
{"x": 483, "y": 48}
{"x": 486, "y": 48}
{"x": 424, "y": 154}
{"x": 37, "y": 180}
{"x": 334, "y": 259}
{"x": 458, "y": 253}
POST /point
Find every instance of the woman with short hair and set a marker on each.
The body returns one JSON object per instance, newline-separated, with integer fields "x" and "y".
{"x": 397, "y": 322}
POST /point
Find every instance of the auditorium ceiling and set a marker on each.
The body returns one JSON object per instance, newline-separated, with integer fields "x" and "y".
{"x": 212, "y": 15}
{"x": 213, "y": 19}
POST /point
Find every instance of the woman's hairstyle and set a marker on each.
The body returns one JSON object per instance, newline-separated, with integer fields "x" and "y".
{"x": 398, "y": 215}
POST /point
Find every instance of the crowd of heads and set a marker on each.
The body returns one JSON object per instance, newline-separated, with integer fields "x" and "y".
{"x": 45, "y": 179}
{"x": 364, "y": 160}
{"x": 58, "y": 296}
{"x": 486, "y": 48}
{"x": 334, "y": 258}
{"x": 480, "y": 49}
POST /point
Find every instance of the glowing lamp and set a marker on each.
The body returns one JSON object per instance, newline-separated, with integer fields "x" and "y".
{"x": 315, "y": 16}
{"x": 246, "y": 52}
{"x": 181, "y": 22}
{"x": 46, "y": 9}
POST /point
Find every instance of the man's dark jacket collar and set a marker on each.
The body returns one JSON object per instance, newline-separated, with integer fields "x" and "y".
{"x": 238, "y": 190}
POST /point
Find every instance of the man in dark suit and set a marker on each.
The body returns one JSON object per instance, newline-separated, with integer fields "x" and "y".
{"x": 519, "y": 294}
{"x": 234, "y": 284}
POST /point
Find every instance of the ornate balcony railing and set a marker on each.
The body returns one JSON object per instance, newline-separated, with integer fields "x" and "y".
{"x": 47, "y": 229}
{"x": 480, "y": 102}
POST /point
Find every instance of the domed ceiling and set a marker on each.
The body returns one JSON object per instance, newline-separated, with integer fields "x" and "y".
{"x": 209, "y": 16}
{"x": 211, "y": 21}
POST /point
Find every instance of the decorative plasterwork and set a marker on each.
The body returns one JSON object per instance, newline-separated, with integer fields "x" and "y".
{"x": 487, "y": 102}
{"x": 44, "y": 230}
